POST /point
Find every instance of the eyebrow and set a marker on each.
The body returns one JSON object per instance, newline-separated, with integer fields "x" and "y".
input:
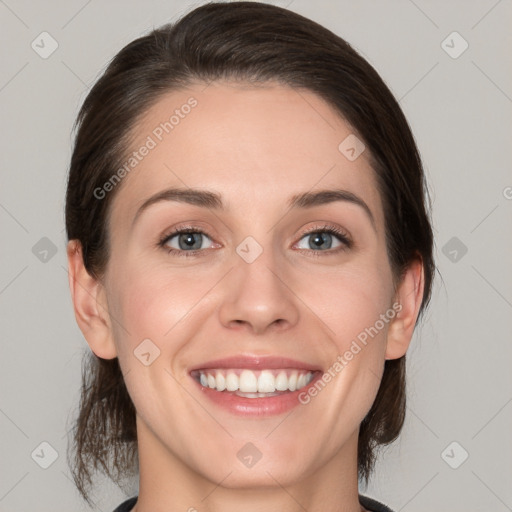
{"x": 213, "y": 200}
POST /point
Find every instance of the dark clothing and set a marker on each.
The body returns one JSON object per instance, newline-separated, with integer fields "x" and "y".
{"x": 127, "y": 505}
{"x": 373, "y": 505}
{"x": 368, "y": 503}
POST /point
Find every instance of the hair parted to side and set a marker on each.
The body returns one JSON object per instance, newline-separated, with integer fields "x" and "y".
{"x": 249, "y": 42}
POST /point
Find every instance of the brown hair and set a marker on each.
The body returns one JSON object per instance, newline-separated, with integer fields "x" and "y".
{"x": 250, "y": 42}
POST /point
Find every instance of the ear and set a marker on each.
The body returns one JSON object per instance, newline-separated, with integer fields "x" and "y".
{"x": 90, "y": 304}
{"x": 409, "y": 295}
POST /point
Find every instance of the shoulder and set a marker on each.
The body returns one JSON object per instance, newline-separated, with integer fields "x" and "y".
{"x": 373, "y": 505}
{"x": 127, "y": 505}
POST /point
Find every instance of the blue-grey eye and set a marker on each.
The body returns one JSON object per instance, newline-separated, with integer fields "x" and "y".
{"x": 187, "y": 240}
{"x": 320, "y": 240}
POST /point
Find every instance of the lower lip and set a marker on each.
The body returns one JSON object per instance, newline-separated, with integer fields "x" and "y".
{"x": 263, "y": 406}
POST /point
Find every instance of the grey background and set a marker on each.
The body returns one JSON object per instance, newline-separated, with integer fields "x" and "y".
{"x": 460, "y": 379}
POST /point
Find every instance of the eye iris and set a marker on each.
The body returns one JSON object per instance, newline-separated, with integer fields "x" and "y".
{"x": 317, "y": 239}
{"x": 190, "y": 240}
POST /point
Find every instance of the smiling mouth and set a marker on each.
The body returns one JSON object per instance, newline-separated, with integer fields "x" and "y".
{"x": 254, "y": 384}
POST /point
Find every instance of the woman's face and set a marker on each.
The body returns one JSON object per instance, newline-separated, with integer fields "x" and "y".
{"x": 263, "y": 281}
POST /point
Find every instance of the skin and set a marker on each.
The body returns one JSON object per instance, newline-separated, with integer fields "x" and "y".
{"x": 257, "y": 146}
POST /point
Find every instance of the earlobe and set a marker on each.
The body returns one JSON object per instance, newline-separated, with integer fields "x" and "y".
{"x": 409, "y": 295}
{"x": 88, "y": 296}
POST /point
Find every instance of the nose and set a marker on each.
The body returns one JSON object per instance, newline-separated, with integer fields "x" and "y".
{"x": 259, "y": 297}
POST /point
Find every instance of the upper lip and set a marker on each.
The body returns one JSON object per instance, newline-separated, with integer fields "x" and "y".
{"x": 256, "y": 363}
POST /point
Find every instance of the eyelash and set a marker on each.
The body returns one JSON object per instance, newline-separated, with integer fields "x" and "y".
{"x": 327, "y": 228}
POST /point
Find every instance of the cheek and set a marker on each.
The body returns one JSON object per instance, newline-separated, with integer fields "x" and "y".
{"x": 150, "y": 303}
{"x": 351, "y": 300}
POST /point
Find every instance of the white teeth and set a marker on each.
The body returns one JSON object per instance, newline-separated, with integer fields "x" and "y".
{"x": 292, "y": 381}
{"x": 248, "y": 382}
{"x": 255, "y": 395}
{"x": 266, "y": 382}
{"x": 255, "y": 383}
{"x": 231, "y": 381}
{"x": 281, "y": 381}
{"x": 220, "y": 382}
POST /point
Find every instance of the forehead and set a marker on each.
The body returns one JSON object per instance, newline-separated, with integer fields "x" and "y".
{"x": 245, "y": 142}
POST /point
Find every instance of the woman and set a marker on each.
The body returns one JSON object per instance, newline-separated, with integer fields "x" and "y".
{"x": 249, "y": 253}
